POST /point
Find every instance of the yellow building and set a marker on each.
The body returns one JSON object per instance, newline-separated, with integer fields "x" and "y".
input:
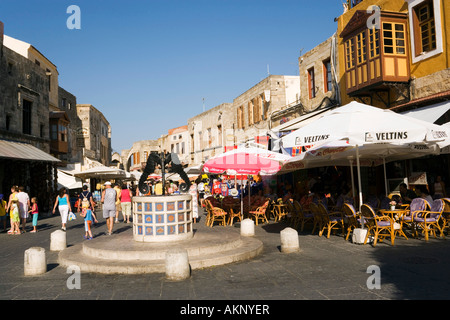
{"x": 394, "y": 53}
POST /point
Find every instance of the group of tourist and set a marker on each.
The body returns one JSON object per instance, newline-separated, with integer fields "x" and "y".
{"x": 114, "y": 199}
{"x": 19, "y": 206}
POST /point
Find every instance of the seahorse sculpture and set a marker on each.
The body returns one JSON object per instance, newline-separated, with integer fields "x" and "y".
{"x": 171, "y": 160}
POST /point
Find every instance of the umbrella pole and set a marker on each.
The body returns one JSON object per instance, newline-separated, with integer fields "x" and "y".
{"x": 359, "y": 184}
{"x": 242, "y": 202}
{"x": 353, "y": 181}
{"x": 385, "y": 180}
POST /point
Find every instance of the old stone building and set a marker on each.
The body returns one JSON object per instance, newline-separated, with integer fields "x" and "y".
{"x": 95, "y": 133}
{"x": 24, "y": 127}
{"x": 319, "y": 87}
{"x": 135, "y": 158}
{"x": 319, "y": 83}
{"x": 75, "y": 143}
{"x": 177, "y": 141}
{"x": 261, "y": 107}
{"x": 206, "y": 133}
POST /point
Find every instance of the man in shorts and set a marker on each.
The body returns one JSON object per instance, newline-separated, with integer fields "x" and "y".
{"x": 109, "y": 198}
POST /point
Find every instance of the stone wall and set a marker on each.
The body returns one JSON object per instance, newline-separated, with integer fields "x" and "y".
{"x": 22, "y": 80}
{"x": 68, "y": 103}
{"x": 316, "y": 59}
{"x": 431, "y": 84}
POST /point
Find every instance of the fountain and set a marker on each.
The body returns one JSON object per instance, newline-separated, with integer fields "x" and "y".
{"x": 162, "y": 224}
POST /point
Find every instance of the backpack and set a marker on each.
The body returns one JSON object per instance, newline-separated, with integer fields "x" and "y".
{"x": 85, "y": 201}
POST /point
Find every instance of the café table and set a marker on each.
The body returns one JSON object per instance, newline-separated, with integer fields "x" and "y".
{"x": 396, "y": 215}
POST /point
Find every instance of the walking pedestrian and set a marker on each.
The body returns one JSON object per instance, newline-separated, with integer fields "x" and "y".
{"x": 86, "y": 200}
{"x": 89, "y": 217}
{"x": 109, "y": 198}
{"x": 126, "y": 203}
{"x": 34, "y": 213}
{"x": 63, "y": 203}
{"x": 13, "y": 209}
{"x": 3, "y": 214}
{"x": 24, "y": 205}
{"x": 193, "y": 193}
{"x": 119, "y": 196}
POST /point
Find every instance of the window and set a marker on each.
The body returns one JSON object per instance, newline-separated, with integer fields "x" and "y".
{"x": 240, "y": 117}
{"x": 54, "y": 132}
{"x": 349, "y": 53}
{"x": 10, "y": 68}
{"x": 425, "y": 16}
{"x": 256, "y": 110}
{"x": 311, "y": 83}
{"x": 26, "y": 117}
{"x": 374, "y": 43}
{"x": 426, "y": 27}
{"x": 327, "y": 76}
{"x": 394, "y": 38}
{"x": 8, "y": 122}
{"x": 250, "y": 112}
{"x": 361, "y": 47}
{"x": 62, "y": 133}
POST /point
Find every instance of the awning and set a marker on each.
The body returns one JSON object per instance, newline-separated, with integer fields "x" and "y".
{"x": 429, "y": 113}
{"x": 23, "y": 151}
{"x": 68, "y": 181}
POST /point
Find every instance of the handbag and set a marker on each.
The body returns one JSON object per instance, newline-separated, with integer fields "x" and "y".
{"x": 72, "y": 216}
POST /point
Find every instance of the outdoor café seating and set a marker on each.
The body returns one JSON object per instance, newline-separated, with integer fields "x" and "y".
{"x": 446, "y": 213}
{"x": 406, "y": 221}
{"x": 260, "y": 213}
{"x": 317, "y": 216}
{"x": 351, "y": 218}
{"x": 330, "y": 220}
{"x": 301, "y": 217}
{"x": 429, "y": 220}
{"x": 214, "y": 214}
{"x": 380, "y": 226}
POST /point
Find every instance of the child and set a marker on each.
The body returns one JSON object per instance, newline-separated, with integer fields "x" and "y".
{"x": 3, "y": 211}
{"x": 14, "y": 217}
{"x": 89, "y": 216}
{"x": 34, "y": 212}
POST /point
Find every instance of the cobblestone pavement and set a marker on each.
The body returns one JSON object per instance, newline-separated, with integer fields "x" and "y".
{"x": 324, "y": 269}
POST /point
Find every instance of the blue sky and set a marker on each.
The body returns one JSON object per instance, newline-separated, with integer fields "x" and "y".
{"x": 147, "y": 65}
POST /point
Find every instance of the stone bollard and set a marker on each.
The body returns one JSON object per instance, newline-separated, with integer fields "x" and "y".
{"x": 35, "y": 262}
{"x": 57, "y": 240}
{"x": 177, "y": 265}
{"x": 247, "y": 228}
{"x": 289, "y": 240}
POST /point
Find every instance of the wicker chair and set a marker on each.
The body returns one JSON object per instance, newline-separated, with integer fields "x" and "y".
{"x": 430, "y": 220}
{"x": 352, "y": 218}
{"x": 214, "y": 214}
{"x": 330, "y": 220}
{"x": 380, "y": 226}
{"x": 317, "y": 218}
{"x": 302, "y": 216}
{"x": 260, "y": 213}
{"x": 406, "y": 221}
